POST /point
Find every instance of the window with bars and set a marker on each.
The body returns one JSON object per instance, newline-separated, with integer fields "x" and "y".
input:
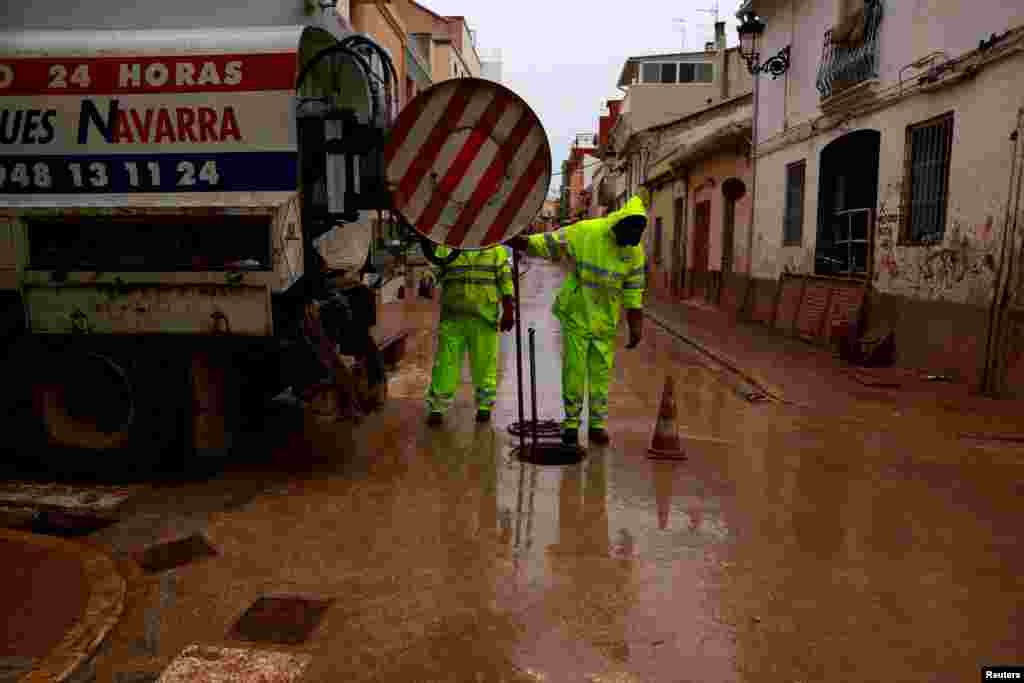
{"x": 926, "y": 179}
{"x": 793, "y": 219}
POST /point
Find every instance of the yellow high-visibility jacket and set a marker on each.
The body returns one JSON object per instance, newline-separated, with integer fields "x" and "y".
{"x": 474, "y": 283}
{"x": 603, "y": 278}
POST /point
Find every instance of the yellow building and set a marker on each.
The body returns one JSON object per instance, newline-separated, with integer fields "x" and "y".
{"x": 447, "y": 43}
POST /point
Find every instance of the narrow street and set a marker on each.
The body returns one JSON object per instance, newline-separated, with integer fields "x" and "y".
{"x": 789, "y": 546}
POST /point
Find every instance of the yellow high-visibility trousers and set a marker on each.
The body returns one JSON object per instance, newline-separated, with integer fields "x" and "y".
{"x": 456, "y": 335}
{"x": 586, "y": 359}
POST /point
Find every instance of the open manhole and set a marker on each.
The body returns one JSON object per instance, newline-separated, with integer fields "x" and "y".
{"x": 164, "y": 556}
{"x": 282, "y": 619}
{"x": 549, "y": 453}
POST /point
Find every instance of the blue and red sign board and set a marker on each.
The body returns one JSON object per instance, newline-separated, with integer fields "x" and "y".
{"x": 148, "y": 124}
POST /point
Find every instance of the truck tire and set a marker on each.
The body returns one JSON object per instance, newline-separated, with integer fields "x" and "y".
{"x": 104, "y": 412}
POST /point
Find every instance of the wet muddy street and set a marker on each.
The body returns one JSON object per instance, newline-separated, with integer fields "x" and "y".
{"x": 791, "y": 546}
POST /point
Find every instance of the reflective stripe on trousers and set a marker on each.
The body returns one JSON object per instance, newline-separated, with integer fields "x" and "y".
{"x": 586, "y": 360}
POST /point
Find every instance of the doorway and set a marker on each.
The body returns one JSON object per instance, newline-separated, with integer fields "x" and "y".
{"x": 679, "y": 244}
{"x": 701, "y": 239}
{"x": 733, "y": 190}
{"x": 847, "y": 197}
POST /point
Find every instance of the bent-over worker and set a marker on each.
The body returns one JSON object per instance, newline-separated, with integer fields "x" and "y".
{"x": 607, "y": 273}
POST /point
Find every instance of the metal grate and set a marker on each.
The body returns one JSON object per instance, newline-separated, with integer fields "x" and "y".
{"x": 284, "y": 619}
{"x": 851, "y": 241}
{"x": 176, "y": 553}
{"x": 846, "y": 64}
{"x": 927, "y": 181}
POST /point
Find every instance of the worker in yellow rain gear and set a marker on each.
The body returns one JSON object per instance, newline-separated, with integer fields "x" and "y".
{"x": 475, "y": 288}
{"x": 606, "y": 261}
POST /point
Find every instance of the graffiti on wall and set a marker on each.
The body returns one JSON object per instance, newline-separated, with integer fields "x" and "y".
{"x": 959, "y": 268}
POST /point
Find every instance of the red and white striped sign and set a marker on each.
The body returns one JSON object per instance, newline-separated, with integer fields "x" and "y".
{"x": 468, "y": 163}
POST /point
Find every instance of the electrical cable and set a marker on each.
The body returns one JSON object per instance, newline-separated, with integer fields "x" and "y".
{"x": 590, "y": 165}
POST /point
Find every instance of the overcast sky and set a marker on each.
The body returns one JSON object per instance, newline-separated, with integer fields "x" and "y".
{"x": 564, "y": 56}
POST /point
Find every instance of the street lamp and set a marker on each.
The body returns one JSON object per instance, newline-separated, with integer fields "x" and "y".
{"x": 750, "y": 29}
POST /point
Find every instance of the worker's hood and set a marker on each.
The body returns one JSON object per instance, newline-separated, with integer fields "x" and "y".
{"x": 628, "y": 223}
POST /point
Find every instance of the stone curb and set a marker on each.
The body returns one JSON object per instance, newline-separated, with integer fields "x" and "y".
{"x": 102, "y": 609}
{"x": 714, "y": 354}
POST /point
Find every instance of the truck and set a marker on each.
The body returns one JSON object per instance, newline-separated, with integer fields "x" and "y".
{"x": 162, "y": 182}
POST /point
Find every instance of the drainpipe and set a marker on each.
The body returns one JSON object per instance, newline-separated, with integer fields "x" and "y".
{"x": 992, "y": 378}
{"x": 753, "y": 183}
{"x": 723, "y": 60}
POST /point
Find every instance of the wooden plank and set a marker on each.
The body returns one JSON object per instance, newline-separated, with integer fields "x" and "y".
{"x": 812, "y": 312}
{"x": 844, "y": 306}
{"x": 823, "y": 329}
{"x": 803, "y": 293}
{"x": 790, "y": 293}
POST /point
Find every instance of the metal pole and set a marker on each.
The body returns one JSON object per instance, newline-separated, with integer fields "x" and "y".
{"x": 519, "y": 349}
{"x": 753, "y": 169}
{"x": 533, "y": 384}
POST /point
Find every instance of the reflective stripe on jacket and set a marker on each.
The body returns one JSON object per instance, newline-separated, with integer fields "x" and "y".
{"x": 474, "y": 282}
{"x": 603, "y": 276}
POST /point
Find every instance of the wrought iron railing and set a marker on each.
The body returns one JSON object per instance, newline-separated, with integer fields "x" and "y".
{"x": 843, "y": 65}
{"x": 847, "y": 250}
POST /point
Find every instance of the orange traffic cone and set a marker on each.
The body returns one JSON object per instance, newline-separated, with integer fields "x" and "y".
{"x": 666, "y": 442}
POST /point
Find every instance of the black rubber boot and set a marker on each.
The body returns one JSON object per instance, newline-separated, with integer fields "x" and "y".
{"x": 435, "y": 419}
{"x": 570, "y": 437}
{"x": 483, "y": 416}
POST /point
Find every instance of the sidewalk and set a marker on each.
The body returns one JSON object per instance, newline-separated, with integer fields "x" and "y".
{"x": 809, "y": 377}
{"x": 59, "y": 599}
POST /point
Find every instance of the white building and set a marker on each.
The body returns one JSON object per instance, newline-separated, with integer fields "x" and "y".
{"x": 490, "y": 64}
{"x": 884, "y": 154}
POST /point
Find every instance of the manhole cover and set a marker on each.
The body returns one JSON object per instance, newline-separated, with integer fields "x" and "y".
{"x": 65, "y": 525}
{"x": 281, "y": 619}
{"x": 550, "y": 454}
{"x": 175, "y": 553}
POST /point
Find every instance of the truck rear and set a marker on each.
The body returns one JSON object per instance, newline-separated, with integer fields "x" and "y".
{"x": 159, "y": 194}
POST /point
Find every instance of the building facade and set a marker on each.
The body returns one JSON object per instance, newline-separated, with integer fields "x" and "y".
{"x": 491, "y": 64}
{"x": 886, "y": 155}
{"x": 663, "y": 89}
{"x": 447, "y": 43}
{"x": 700, "y": 177}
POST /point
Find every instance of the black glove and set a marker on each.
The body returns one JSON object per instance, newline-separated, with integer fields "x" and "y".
{"x": 508, "y": 317}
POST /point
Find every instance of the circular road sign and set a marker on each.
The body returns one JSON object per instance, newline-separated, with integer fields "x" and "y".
{"x": 468, "y": 164}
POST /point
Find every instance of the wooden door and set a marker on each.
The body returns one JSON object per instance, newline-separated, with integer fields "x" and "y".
{"x": 701, "y": 242}
{"x": 678, "y": 246}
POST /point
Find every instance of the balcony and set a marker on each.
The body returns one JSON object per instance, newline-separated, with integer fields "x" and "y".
{"x": 851, "y": 59}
